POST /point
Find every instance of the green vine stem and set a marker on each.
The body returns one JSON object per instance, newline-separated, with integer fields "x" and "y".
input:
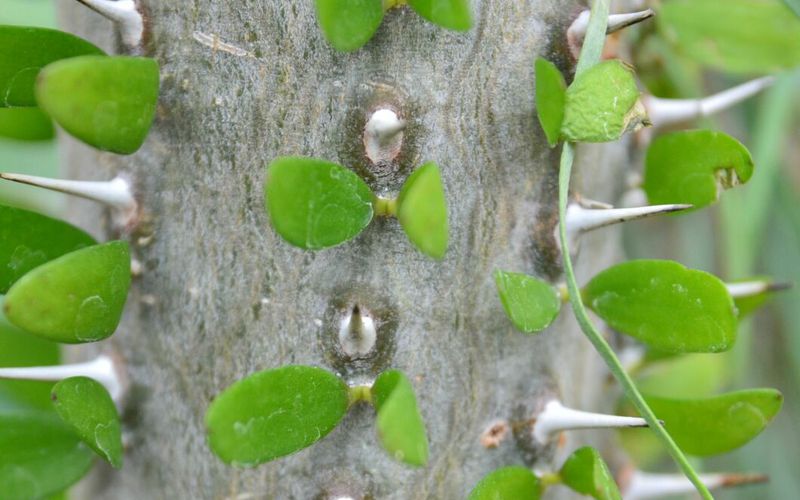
{"x": 590, "y": 55}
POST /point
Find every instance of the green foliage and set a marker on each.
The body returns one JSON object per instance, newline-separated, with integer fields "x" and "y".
{"x": 39, "y": 454}
{"x": 508, "y": 483}
{"x": 24, "y": 51}
{"x": 422, "y": 211}
{"x": 401, "y": 429}
{"x": 586, "y": 473}
{"x": 28, "y": 240}
{"x": 25, "y": 124}
{"x": 690, "y": 375}
{"x": 107, "y": 102}
{"x": 274, "y": 413}
{"x": 530, "y": 304}
{"x": 450, "y": 14}
{"x": 694, "y": 166}
{"x": 738, "y": 36}
{"x": 85, "y": 405}
{"x": 349, "y": 24}
{"x": 665, "y": 305}
{"x": 715, "y": 425}
{"x": 551, "y": 95}
{"x": 75, "y": 298}
{"x": 316, "y": 204}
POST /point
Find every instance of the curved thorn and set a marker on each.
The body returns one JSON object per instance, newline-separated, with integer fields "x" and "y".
{"x": 557, "y": 418}
{"x": 125, "y": 14}
{"x": 645, "y": 486}
{"x": 616, "y": 22}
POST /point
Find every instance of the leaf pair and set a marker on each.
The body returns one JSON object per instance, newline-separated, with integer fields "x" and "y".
{"x": 274, "y": 413}
{"x": 107, "y": 102}
{"x": 349, "y": 24}
{"x": 316, "y": 204}
{"x": 601, "y": 105}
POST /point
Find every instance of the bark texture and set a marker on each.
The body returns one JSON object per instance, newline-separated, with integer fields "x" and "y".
{"x": 222, "y": 296}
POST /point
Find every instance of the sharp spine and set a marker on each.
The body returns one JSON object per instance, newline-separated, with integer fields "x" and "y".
{"x": 646, "y": 486}
{"x": 557, "y": 418}
{"x": 125, "y": 14}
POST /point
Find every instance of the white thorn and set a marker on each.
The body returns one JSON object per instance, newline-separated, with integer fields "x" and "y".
{"x": 556, "y": 418}
{"x": 100, "y": 369}
{"x": 616, "y": 22}
{"x": 668, "y": 112}
{"x": 115, "y": 193}
{"x": 645, "y": 486}
{"x": 125, "y": 14}
{"x": 746, "y": 289}
{"x": 383, "y": 135}
{"x": 357, "y": 333}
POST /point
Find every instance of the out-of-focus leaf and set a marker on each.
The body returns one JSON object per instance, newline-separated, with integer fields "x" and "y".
{"x": 551, "y": 95}
{"x": 450, "y": 14}
{"x": 25, "y": 124}
{"x": 586, "y": 473}
{"x": 422, "y": 211}
{"x": 689, "y": 375}
{"x": 530, "y": 304}
{"x": 401, "y": 429}
{"x": 349, "y": 24}
{"x": 508, "y": 483}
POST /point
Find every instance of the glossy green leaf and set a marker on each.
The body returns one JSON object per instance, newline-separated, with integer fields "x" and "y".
{"x": 314, "y": 203}
{"x": 551, "y": 95}
{"x": 107, "y": 102}
{"x": 422, "y": 211}
{"x": 39, "y": 455}
{"x": 349, "y": 24}
{"x": 694, "y": 167}
{"x": 741, "y": 36}
{"x": 715, "y": 425}
{"x": 530, "y": 304}
{"x": 665, "y": 305}
{"x": 274, "y": 413}
{"x": 508, "y": 483}
{"x": 25, "y": 124}
{"x": 401, "y": 429}
{"x": 24, "y": 51}
{"x": 85, "y": 405}
{"x": 586, "y": 473}
{"x": 450, "y": 14}
{"x": 28, "y": 240}
{"x": 75, "y": 298}
{"x": 603, "y": 104}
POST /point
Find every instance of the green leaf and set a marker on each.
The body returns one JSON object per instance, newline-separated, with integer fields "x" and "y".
{"x": 39, "y": 455}
{"x": 665, "y": 305}
{"x": 107, "y": 102}
{"x": 28, "y": 240}
{"x": 603, "y": 104}
{"x": 794, "y": 5}
{"x": 85, "y": 405}
{"x": 508, "y": 483}
{"x": 75, "y": 298}
{"x": 26, "y": 50}
{"x": 25, "y": 124}
{"x": 450, "y": 14}
{"x": 551, "y": 95}
{"x": 690, "y": 375}
{"x": 422, "y": 211}
{"x": 401, "y": 429}
{"x": 694, "y": 167}
{"x": 349, "y": 24}
{"x": 739, "y": 36}
{"x": 274, "y": 413}
{"x": 586, "y": 473}
{"x": 715, "y": 425}
{"x": 530, "y": 304}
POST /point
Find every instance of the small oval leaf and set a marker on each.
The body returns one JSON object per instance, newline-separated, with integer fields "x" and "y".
{"x": 24, "y": 51}
{"x": 316, "y": 204}
{"x": 422, "y": 211}
{"x": 28, "y": 240}
{"x": 274, "y": 413}
{"x": 25, "y": 124}
{"x": 349, "y": 24}
{"x": 106, "y": 102}
{"x": 508, "y": 483}
{"x": 586, "y": 473}
{"x": 665, "y": 305}
{"x": 603, "y": 104}
{"x": 694, "y": 167}
{"x": 85, "y": 405}
{"x": 719, "y": 424}
{"x": 75, "y": 298}
{"x": 551, "y": 95}
{"x": 450, "y": 14}
{"x": 530, "y": 304}
{"x": 401, "y": 429}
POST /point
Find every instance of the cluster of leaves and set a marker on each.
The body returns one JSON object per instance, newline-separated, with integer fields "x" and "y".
{"x": 274, "y": 413}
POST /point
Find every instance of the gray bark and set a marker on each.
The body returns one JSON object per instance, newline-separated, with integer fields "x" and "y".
{"x": 223, "y": 296}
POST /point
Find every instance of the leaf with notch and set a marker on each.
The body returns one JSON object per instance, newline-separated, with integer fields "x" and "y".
{"x": 349, "y": 24}
{"x": 665, "y": 305}
{"x": 508, "y": 483}
{"x": 551, "y": 95}
{"x": 25, "y": 124}
{"x": 530, "y": 304}
{"x": 586, "y": 473}
{"x": 75, "y": 298}
{"x": 274, "y": 413}
{"x": 450, "y": 14}
{"x": 422, "y": 211}
{"x": 401, "y": 429}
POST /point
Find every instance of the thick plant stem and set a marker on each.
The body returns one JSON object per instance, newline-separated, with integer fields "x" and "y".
{"x": 590, "y": 56}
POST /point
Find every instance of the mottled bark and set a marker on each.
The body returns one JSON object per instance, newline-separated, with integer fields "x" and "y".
{"x": 222, "y": 296}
